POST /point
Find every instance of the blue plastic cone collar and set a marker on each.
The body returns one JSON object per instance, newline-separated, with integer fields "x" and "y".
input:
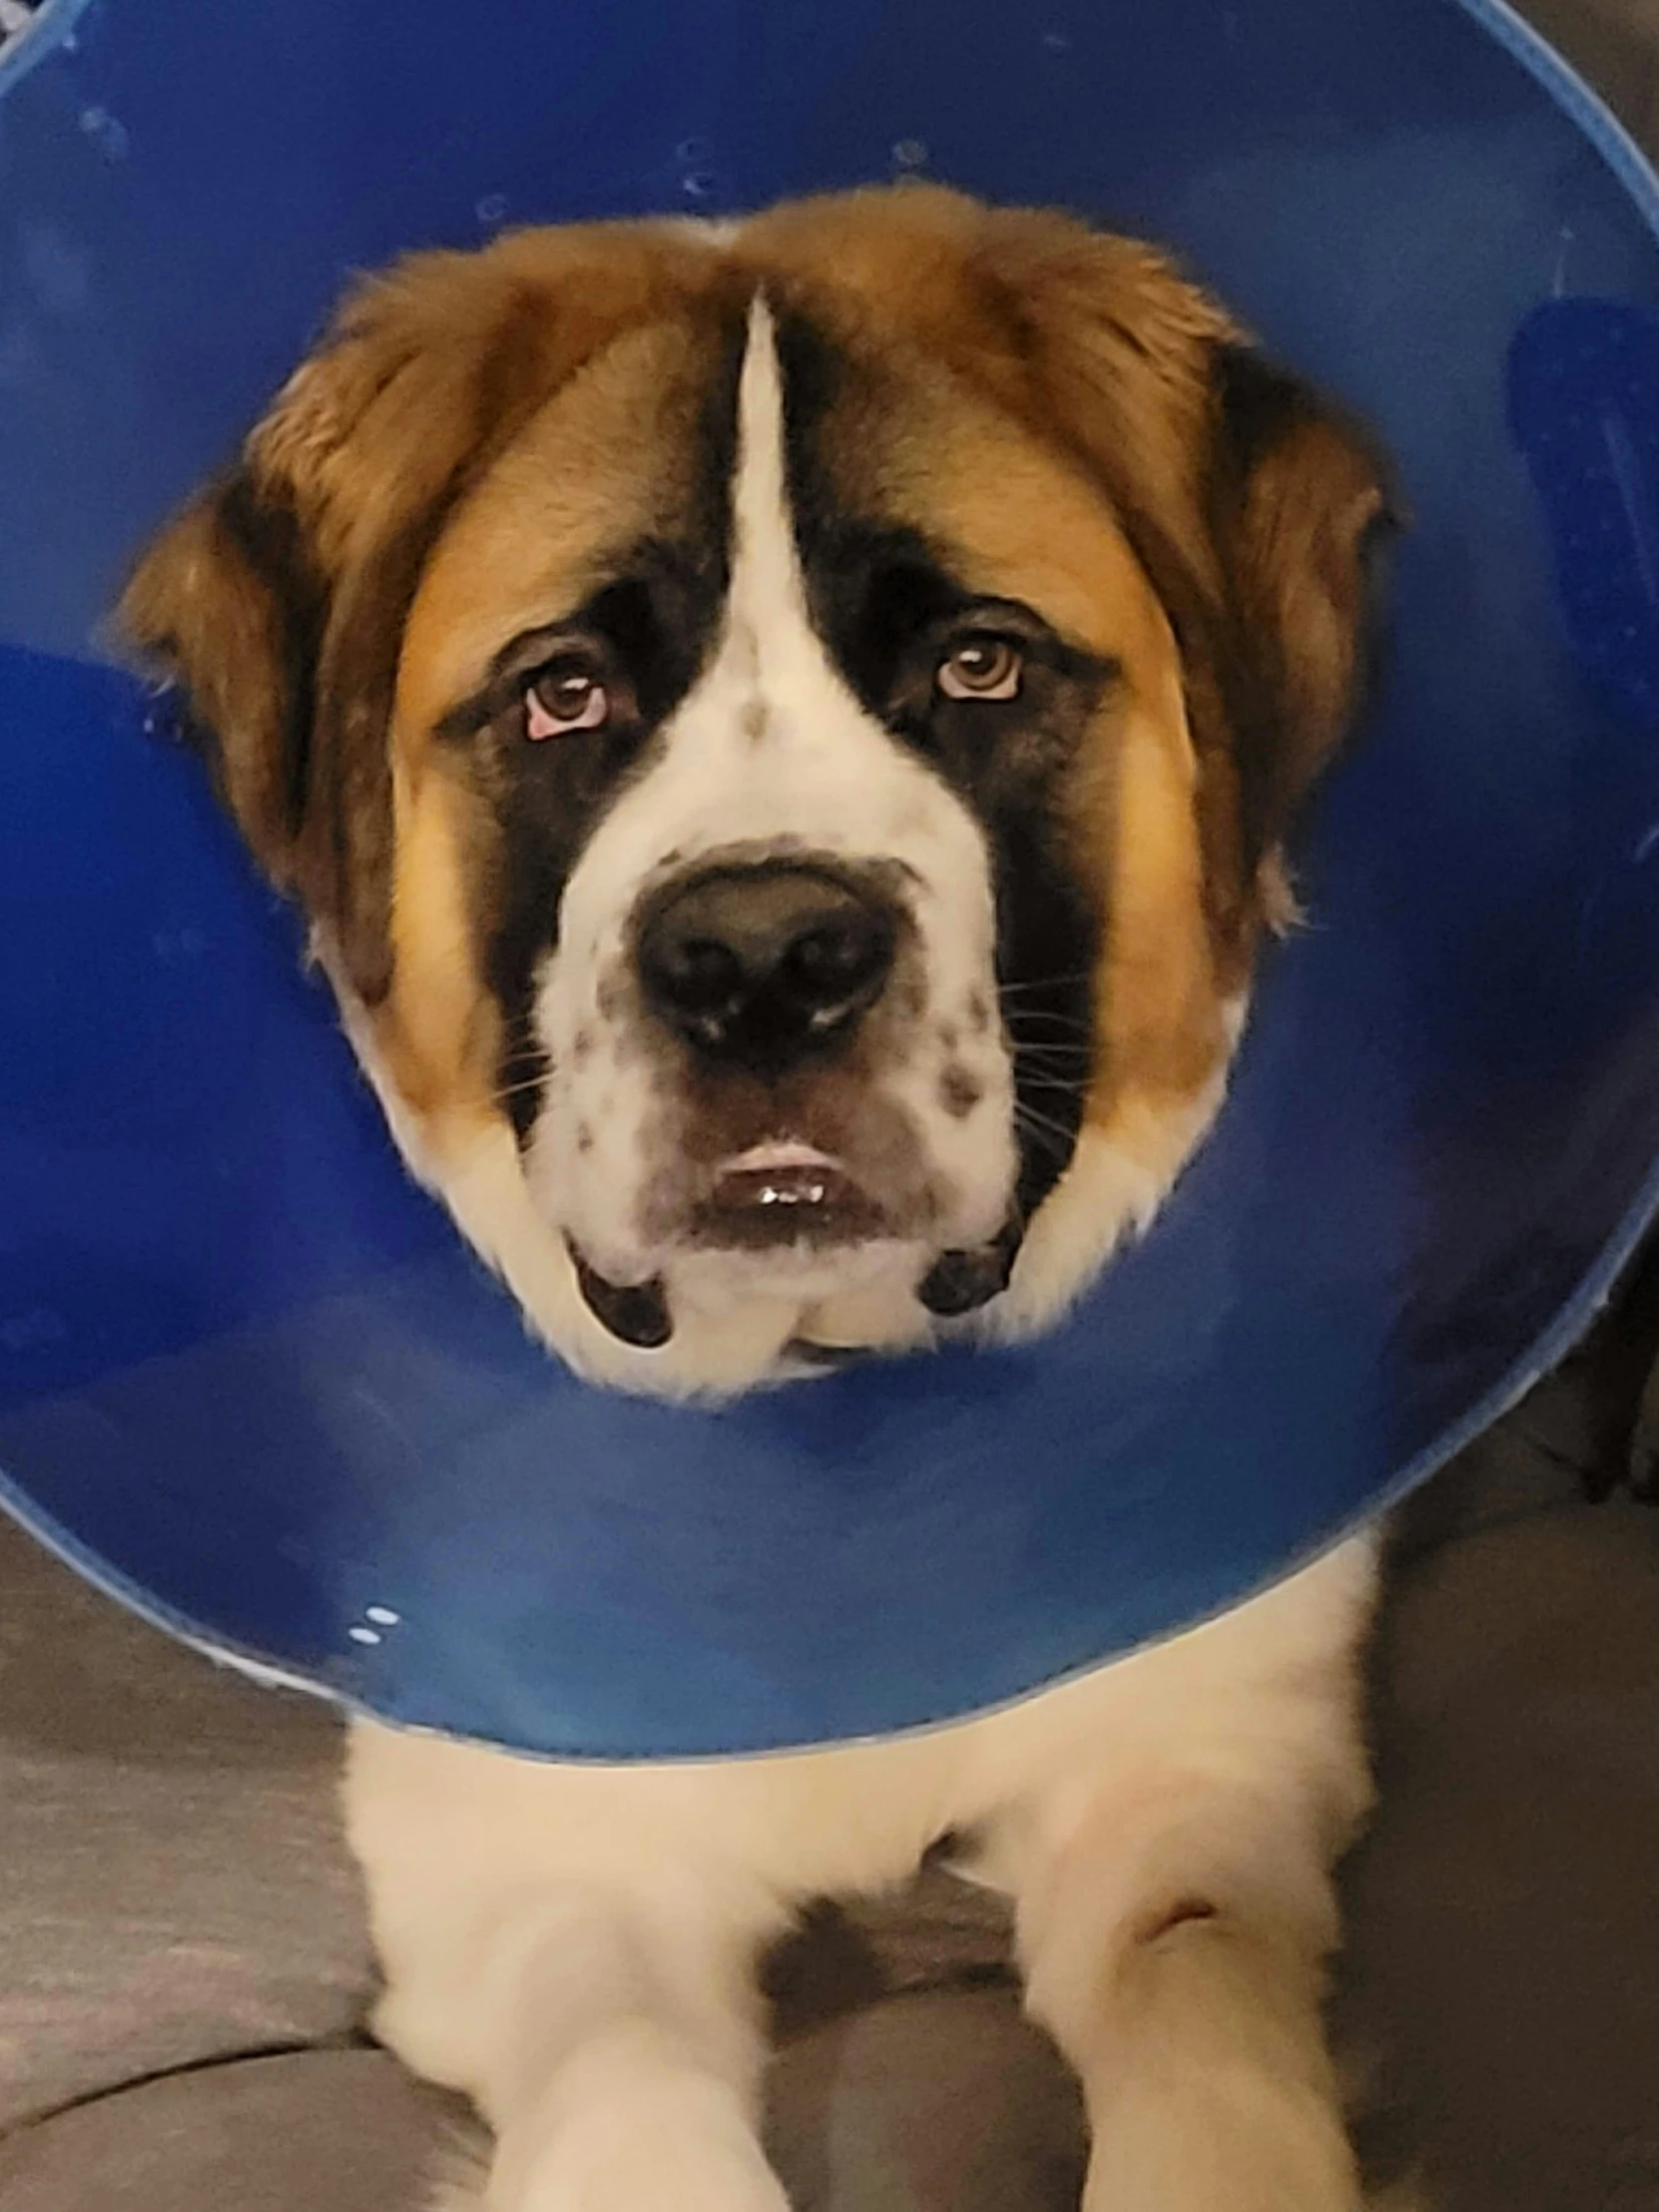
{"x": 249, "y": 1378}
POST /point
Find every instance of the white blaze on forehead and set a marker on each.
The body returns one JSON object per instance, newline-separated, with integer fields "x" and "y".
{"x": 766, "y": 602}
{"x": 771, "y": 750}
{"x": 771, "y": 745}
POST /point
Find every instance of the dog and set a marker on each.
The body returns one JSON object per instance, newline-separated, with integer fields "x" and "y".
{"x": 784, "y": 735}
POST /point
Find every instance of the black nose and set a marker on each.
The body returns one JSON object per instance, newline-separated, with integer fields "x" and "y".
{"x": 758, "y": 967}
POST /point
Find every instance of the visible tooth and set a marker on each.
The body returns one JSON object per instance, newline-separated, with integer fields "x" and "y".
{"x": 635, "y": 1313}
{"x": 793, "y": 1194}
{"x": 960, "y": 1281}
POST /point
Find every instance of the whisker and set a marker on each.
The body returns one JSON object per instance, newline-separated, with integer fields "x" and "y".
{"x": 1043, "y": 983}
{"x": 1053, "y": 1030}
{"x": 1040, "y": 1141}
{"x": 1053, "y": 1017}
{"x": 517, "y": 1090}
{"x": 1061, "y": 1087}
{"x": 1044, "y": 1126}
{"x": 1035, "y": 1114}
{"x": 1052, "y": 1052}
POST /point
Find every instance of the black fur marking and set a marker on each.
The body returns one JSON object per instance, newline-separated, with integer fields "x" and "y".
{"x": 635, "y": 1313}
{"x": 1261, "y": 407}
{"x": 650, "y": 630}
{"x": 960, "y": 1283}
{"x": 1258, "y": 408}
{"x": 266, "y": 533}
{"x": 350, "y": 796}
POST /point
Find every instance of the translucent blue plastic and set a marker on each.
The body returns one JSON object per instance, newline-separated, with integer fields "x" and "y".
{"x": 249, "y": 1382}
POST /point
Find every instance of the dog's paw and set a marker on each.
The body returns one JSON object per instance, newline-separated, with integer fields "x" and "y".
{"x": 1288, "y": 2169}
{"x": 592, "y": 2169}
{"x": 666, "y": 2184}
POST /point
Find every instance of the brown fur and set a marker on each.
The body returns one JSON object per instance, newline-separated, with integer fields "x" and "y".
{"x": 289, "y": 631}
{"x": 602, "y": 464}
{"x": 1078, "y": 423}
{"x": 1221, "y": 564}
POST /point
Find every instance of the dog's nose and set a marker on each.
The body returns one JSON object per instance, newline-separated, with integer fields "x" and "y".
{"x": 757, "y": 966}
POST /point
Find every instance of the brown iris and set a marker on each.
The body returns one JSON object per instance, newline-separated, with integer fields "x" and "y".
{"x": 980, "y": 667}
{"x": 563, "y": 698}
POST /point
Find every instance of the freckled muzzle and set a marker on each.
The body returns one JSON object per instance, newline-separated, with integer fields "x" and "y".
{"x": 789, "y": 991}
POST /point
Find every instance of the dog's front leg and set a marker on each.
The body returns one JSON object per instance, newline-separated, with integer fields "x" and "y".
{"x": 1174, "y": 1943}
{"x": 615, "y": 2056}
{"x": 556, "y": 1945}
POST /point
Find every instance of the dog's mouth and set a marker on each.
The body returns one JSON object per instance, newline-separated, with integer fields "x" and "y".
{"x": 783, "y": 1194}
{"x": 791, "y": 1200}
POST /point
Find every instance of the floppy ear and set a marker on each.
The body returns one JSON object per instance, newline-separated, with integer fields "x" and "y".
{"x": 229, "y": 604}
{"x": 280, "y": 622}
{"x": 1301, "y": 506}
{"x": 1252, "y": 503}
{"x": 278, "y": 598}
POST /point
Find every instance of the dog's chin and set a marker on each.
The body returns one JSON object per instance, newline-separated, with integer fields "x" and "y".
{"x": 786, "y": 1227}
{"x": 844, "y": 1294}
{"x": 851, "y": 1282}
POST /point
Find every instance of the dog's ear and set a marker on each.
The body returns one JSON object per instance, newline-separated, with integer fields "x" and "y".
{"x": 228, "y": 603}
{"x": 1301, "y": 509}
{"x": 278, "y": 598}
{"x": 1252, "y": 503}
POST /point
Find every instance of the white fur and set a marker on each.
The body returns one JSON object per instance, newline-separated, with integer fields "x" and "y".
{"x": 769, "y": 752}
{"x": 1107, "y": 1194}
{"x": 575, "y": 1946}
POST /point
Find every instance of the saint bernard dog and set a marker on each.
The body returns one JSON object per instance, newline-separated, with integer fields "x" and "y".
{"x": 784, "y": 734}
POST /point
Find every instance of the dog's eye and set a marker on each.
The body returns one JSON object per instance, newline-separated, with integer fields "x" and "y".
{"x": 981, "y": 668}
{"x": 563, "y": 698}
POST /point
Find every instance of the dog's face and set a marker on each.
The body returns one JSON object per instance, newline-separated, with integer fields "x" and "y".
{"x": 784, "y": 736}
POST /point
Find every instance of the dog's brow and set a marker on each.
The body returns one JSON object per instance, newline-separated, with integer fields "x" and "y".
{"x": 652, "y": 568}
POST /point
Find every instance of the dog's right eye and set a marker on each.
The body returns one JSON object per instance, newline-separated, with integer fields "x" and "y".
{"x": 562, "y": 698}
{"x": 981, "y": 667}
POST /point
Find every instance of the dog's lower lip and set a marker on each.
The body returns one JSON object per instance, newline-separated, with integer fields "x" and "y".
{"x": 636, "y": 1314}
{"x": 784, "y": 1194}
{"x": 961, "y": 1281}
{"x": 737, "y": 1190}
{"x": 787, "y": 1176}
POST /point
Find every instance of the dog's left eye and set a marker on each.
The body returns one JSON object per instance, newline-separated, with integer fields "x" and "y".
{"x": 981, "y": 668}
{"x": 564, "y": 698}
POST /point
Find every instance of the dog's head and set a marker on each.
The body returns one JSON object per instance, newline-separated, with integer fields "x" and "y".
{"x": 784, "y": 736}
